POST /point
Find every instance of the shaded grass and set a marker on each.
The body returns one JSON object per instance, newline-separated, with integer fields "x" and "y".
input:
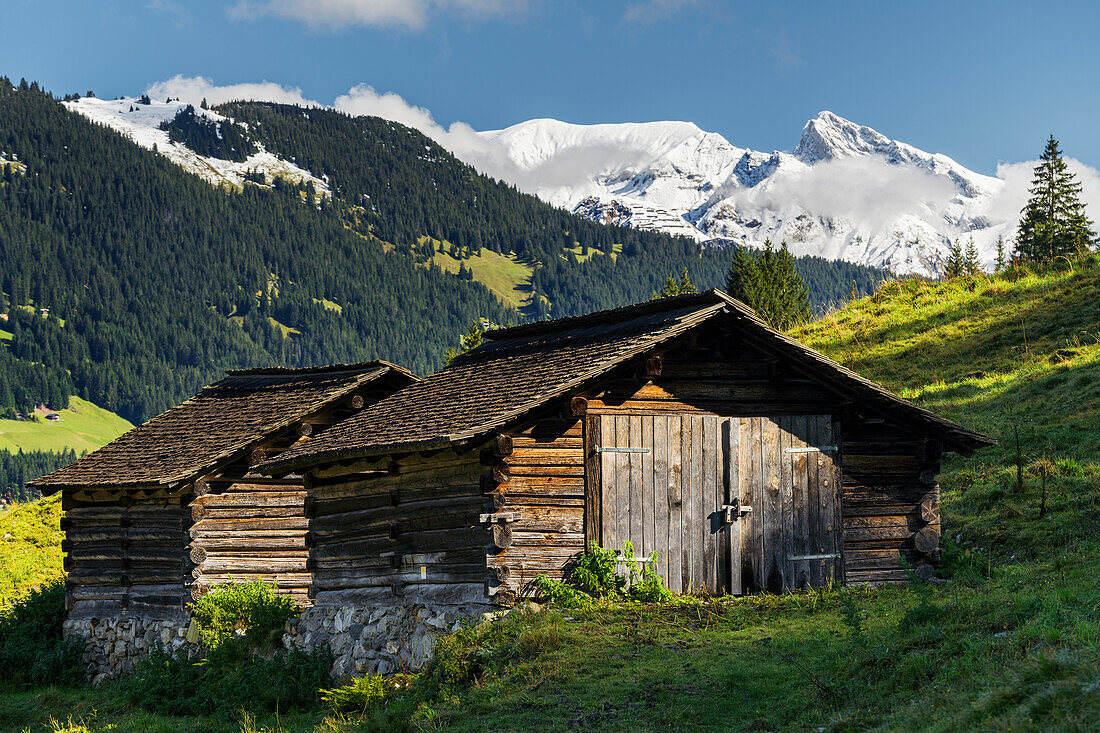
{"x": 84, "y": 426}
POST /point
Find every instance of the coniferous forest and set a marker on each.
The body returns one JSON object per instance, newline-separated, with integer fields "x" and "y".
{"x": 155, "y": 281}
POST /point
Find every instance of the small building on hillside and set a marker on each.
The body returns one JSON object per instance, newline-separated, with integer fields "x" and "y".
{"x": 686, "y": 425}
{"x": 156, "y": 517}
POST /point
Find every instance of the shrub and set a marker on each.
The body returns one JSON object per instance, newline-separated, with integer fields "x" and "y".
{"x": 237, "y": 622}
{"x": 594, "y": 575}
{"x": 232, "y": 677}
{"x": 364, "y": 693}
{"x": 31, "y": 648}
{"x": 252, "y": 610}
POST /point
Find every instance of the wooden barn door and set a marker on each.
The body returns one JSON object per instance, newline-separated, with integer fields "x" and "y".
{"x": 785, "y": 469}
{"x": 729, "y": 504}
{"x": 663, "y": 486}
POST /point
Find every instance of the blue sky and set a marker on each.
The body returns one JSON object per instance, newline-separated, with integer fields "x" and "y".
{"x": 982, "y": 82}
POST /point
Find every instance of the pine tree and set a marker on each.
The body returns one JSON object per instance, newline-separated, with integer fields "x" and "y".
{"x": 954, "y": 265}
{"x": 1053, "y": 223}
{"x": 770, "y": 285}
{"x": 1000, "y": 265}
{"x": 972, "y": 265}
{"x": 673, "y": 286}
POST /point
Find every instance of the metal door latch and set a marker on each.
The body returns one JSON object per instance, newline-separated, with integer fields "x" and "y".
{"x": 601, "y": 449}
{"x": 734, "y": 511}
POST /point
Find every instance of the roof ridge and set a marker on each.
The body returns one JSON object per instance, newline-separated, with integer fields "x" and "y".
{"x": 611, "y": 315}
{"x": 278, "y": 371}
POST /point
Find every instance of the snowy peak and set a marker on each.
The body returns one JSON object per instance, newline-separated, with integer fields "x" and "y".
{"x": 846, "y": 191}
{"x": 829, "y": 136}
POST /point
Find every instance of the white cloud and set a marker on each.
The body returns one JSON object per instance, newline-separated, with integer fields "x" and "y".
{"x": 193, "y": 89}
{"x": 461, "y": 139}
{"x": 335, "y": 14}
{"x": 864, "y": 189}
{"x": 1006, "y": 206}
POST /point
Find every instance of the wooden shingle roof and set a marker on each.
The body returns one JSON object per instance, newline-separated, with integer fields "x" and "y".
{"x": 215, "y": 425}
{"x": 519, "y": 370}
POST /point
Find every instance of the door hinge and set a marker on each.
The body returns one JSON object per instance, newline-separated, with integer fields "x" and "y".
{"x": 825, "y": 556}
{"x": 821, "y": 449}
{"x": 601, "y": 449}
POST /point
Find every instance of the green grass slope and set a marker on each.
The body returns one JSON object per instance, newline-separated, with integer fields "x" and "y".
{"x": 83, "y": 426}
{"x": 30, "y": 547}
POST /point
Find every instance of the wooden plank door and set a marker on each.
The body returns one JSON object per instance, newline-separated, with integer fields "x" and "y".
{"x": 785, "y": 468}
{"x": 663, "y": 485}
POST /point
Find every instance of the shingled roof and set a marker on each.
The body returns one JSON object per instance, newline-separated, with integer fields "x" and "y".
{"x": 518, "y": 370}
{"x": 212, "y": 427}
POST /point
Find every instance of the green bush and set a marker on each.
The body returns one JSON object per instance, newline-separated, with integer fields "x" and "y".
{"x": 243, "y": 668}
{"x": 595, "y": 575}
{"x": 364, "y": 693}
{"x": 31, "y": 648}
{"x": 252, "y": 610}
{"x": 232, "y": 677}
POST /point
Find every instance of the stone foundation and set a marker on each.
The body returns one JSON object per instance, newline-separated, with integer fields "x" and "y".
{"x": 378, "y": 638}
{"x": 114, "y": 645}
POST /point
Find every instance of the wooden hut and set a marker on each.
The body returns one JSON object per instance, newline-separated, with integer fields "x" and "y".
{"x": 685, "y": 425}
{"x": 156, "y": 517}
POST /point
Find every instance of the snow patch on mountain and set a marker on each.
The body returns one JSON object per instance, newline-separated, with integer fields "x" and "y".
{"x": 141, "y": 123}
{"x": 846, "y": 191}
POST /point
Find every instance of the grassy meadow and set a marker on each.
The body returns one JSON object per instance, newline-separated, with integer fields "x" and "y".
{"x": 83, "y": 426}
{"x": 1006, "y": 639}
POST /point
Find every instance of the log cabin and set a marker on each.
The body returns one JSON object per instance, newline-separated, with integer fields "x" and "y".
{"x": 744, "y": 459}
{"x": 155, "y": 518}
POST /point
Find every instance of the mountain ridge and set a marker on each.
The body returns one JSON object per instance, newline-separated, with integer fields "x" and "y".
{"x": 669, "y": 171}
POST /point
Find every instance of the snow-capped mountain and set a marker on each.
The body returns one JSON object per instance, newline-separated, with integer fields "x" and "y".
{"x": 141, "y": 122}
{"x": 844, "y": 192}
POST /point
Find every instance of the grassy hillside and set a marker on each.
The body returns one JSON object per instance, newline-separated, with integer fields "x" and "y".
{"x": 30, "y": 547}
{"x": 1010, "y": 642}
{"x": 82, "y": 427}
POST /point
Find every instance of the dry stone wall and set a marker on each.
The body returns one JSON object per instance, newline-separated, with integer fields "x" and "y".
{"x": 378, "y": 638}
{"x": 113, "y": 645}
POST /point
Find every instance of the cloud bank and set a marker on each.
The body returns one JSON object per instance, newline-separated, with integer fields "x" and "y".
{"x": 337, "y": 14}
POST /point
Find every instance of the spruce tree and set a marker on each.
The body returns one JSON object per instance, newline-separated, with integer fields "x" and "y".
{"x": 770, "y": 285}
{"x": 954, "y": 265}
{"x": 673, "y": 286}
{"x": 972, "y": 265}
{"x": 1000, "y": 265}
{"x": 1053, "y": 223}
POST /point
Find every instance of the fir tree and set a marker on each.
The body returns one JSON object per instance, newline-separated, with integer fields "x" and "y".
{"x": 954, "y": 266}
{"x": 972, "y": 265}
{"x": 673, "y": 286}
{"x": 1000, "y": 265}
{"x": 1053, "y": 223}
{"x": 770, "y": 284}
{"x": 469, "y": 340}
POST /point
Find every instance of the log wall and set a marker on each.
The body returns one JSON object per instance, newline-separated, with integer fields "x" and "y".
{"x": 538, "y": 493}
{"x": 124, "y": 554}
{"x": 251, "y": 532}
{"x": 410, "y": 531}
